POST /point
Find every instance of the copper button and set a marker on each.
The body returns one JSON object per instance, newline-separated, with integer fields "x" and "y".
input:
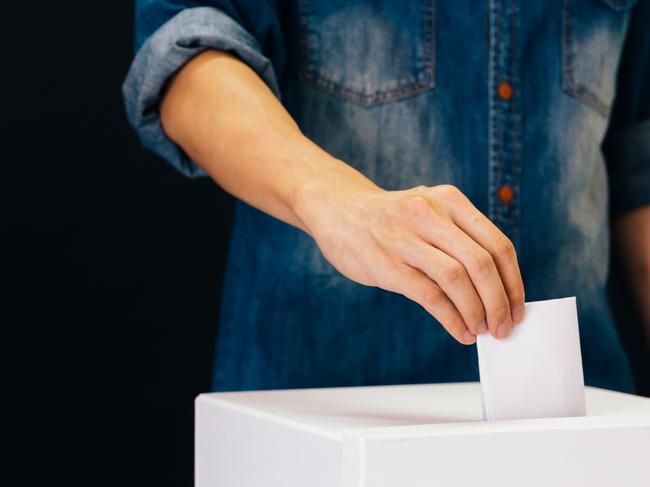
{"x": 505, "y": 90}
{"x": 505, "y": 194}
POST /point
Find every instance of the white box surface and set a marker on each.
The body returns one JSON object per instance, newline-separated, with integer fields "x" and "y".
{"x": 414, "y": 436}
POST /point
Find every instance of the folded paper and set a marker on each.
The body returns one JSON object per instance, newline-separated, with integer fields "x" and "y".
{"x": 536, "y": 372}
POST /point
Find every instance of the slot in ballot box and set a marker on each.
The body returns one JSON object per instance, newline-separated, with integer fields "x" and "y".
{"x": 414, "y": 436}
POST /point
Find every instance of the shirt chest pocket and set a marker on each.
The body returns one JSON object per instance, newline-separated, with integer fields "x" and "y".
{"x": 368, "y": 52}
{"x": 593, "y": 32}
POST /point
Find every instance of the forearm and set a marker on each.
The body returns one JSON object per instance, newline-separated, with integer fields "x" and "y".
{"x": 632, "y": 235}
{"x": 231, "y": 124}
{"x": 429, "y": 244}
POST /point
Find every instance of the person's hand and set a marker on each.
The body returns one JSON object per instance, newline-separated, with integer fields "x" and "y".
{"x": 429, "y": 244}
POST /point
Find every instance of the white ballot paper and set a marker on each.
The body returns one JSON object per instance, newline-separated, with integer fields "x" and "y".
{"x": 536, "y": 372}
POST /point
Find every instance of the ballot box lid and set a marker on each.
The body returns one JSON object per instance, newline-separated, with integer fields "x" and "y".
{"x": 330, "y": 412}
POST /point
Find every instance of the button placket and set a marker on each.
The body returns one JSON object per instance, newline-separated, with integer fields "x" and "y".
{"x": 505, "y": 118}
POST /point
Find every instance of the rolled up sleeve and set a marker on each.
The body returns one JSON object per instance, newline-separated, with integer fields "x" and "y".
{"x": 161, "y": 54}
{"x": 627, "y": 144}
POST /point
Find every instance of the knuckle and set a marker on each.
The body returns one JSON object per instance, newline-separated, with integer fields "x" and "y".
{"x": 505, "y": 248}
{"x": 453, "y": 273}
{"x": 449, "y": 191}
{"x": 416, "y": 207}
{"x": 380, "y": 276}
{"x": 392, "y": 278}
{"x": 501, "y": 312}
{"x": 481, "y": 263}
{"x": 382, "y": 282}
{"x": 517, "y": 295}
{"x": 476, "y": 220}
{"x": 432, "y": 297}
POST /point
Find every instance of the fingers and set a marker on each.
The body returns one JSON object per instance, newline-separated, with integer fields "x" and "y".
{"x": 451, "y": 276}
{"x": 441, "y": 232}
{"x": 441, "y": 252}
{"x": 485, "y": 276}
{"x": 418, "y": 287}
{"x": 488, "y": 236}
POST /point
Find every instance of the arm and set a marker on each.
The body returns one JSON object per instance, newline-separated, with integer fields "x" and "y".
{"x": 427, "y": 243}
{"x": 632, "y": 239}
{"x": 627, "y": 152}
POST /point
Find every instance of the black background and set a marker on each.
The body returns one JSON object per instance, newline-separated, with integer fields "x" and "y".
{"x": 112, "y": 261}
{"x": 112, "y": 264}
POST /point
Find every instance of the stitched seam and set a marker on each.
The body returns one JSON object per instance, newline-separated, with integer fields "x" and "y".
{"x": 516, "y": 129}
{"x": 493, "y": 149}
{"x": 569, "y": 83}
{"x": 499, "y": 113}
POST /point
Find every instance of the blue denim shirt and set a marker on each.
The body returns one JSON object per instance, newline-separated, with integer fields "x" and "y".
{"x": 481, "y": 95}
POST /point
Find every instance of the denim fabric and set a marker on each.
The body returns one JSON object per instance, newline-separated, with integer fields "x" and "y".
{"x": 408, "y": 93}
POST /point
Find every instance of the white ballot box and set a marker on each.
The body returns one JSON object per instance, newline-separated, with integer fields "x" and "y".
{"x": 414, "y": 436}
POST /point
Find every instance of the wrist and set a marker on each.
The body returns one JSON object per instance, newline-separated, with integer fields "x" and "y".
{"x": 330, "y": 193}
